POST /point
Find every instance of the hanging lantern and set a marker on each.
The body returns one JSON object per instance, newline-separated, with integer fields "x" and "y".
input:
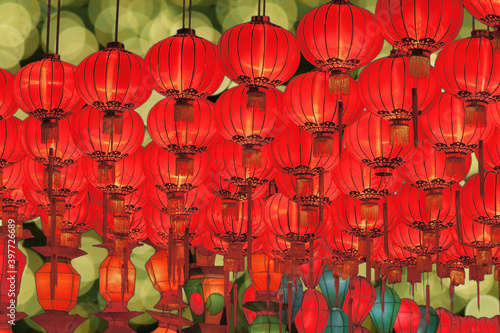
{"x": 386, "y": 308}
{"x": 361, "y": 182}
{"x": 113, "y": 81}
{"x": 184, "y": 67}
{"x": 250, "y": 130}
{"x": 401, "y": 26}
{"x": 386, "y": 89}
{"x": 411, "y": 205}
{"x": 359, "y": 300}
{"x": 408, "y": 317}
{"x": 116, "y": 281}
{"x": 312, "y": 108}
{"x": 183, "y": 139}
{"x": 337, "y": 322}
{"x": 105, "y": 147}
{"x": 313, "y": 313}
{"x": 448, "y": 323}
{"x": 368, "y": 141}
{"x": 47, "y": 90}
{"x": 354, "y": 42}
{"x": 446, "y": 129}
{"x": 8, "y": 103}
{"x": 474, "y": 79}
{"x": 492, "y": 151}
{"x": 65, "y": 151}
{"x": 10, "y": 150}
{"x": 427, "y": 171}
{"x": 266, "y": 277}
{"x": 258, "y": 55}
{"x": 432, "y": 325}
{"x": 488, "y": 12}
{"x": 334, "y": 288}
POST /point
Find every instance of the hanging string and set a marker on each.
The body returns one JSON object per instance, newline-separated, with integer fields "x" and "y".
{"x": 473, "y": 24}
{"x": 189, "y": 24}
{"x": 264, "y": 8}
{"x": 58, "y": 22}
{"x": 183, "y": 14}
{"x": 258, "y": 10}
{"x": 48, "y": 27}
{"x": 117, "y": 15}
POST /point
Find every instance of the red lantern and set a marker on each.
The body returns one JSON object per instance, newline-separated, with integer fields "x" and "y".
{"x": 339, "y": 37}
{"x": 14, "y": 204}
{"x": 484, "y": 210}
{"x": 258, "y": 55}
{"x": 448, "y": 323}
{"x": 113, "y": 80}
{"x": 387, "y": 89}
{"x": 8, "y": 104}
{"x": 360, "y": 298}
{"x": 313, "y": 313}
{"x": 65, "y": 151}
{"x": 113, "y": 277}
{"x": 427, "y": 171}
{"x": 288, "y": 186}
{"x": 492, "y": 151}
{"x": 248, "y": 129}
{"x": 368, "y": 140}
{"x": 311, "y": 106}
{"x": 474, "y": 76}
{"x": 402, "y": 26}
{"x": 194, "y": 200}
{"x": 47, "y": 90}
{"x": 157, "y": 270}
{"x": 66, "y": 289}
{"x": 408, "y": 317}
{"x": 266, "y": 275}
{"x": 10, "y": 150}
{"x": 133, "y": 202}
{"x": 446, "y": 129}
{"x": 361, "y": 182}
{"x": 488, "y": 12}
{"x": 227, "y": 191}
{"x": 412, "y": 208}
{"x": 455, "y": 259}
{"x": 183, "y": 139}
{"x": 103, "y": 146}
{"x": 184, "y": 67}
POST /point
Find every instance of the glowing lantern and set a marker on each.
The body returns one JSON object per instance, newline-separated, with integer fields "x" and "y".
{"x": 408, "y": 317}
{"x": 488, "y": 12}
{"x": 359, "y": 300}
{"x": 162, "y": 281}
{"x": 8, "y": 104}
{"x": 386, "y": 309}
{"x": 266, "y": 277}
{"x": 313, "y": 313}
{"x": 492, "y": 151}
{"x": 116, "y": 283}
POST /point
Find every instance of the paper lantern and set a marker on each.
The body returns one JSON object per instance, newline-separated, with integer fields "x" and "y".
{"x": 386, "y": 308}
{"x": 313, "y": 313}
{"x": 359, "y": 299}
{"x": 66, "y": 289}
{"x": 408, "y": 317}
{"x": 8, "y": 104}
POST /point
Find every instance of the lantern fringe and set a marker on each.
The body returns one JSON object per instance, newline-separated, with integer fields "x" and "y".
{"x": 183, "y": 111}
{"x": 230, "y": 210}
{"x": 365, "y": 247}
{"x": 455, "y": 165}
{"x": 399, "y": 134}
{"x": 256, "y": 99}
{"x": 309, "y": 216}
{"x": 175, "y": 203}
{"x": 121, "y": 224}
{"x": 322, "y": 145}
{"x": 424, "y": 263}
{"x": 290, "y": 304}
{"x": 475, "y": 114}
{"x": 184, "y": 165}
{"x": 434, "y": 199}
{"x": 50, "y": 131}
{"x": 106, "y": 173}
{"x": 383, "y": 294}
{"x": 338, "y": 83}
{"x": 112, "y": 123}
{"x": 116, "y": 205}
{"x": 349, "y": 268}
{"x": 420, "y": 66}
{"x": 305, "y": 186}
{"x": 484, "y": 259}
{"x": 496, "y": 39}
{"x": 369, "y": 210}
{"x": 495, "y": 233}
{"x": 252, "y": 157}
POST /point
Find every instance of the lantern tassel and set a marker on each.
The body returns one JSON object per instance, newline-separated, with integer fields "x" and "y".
{"x": 106, "y": 173}
{"x": 116, "y": 204}
{"x": 322, "y": 144}
{"x": 183, "y": 111}
{"x": 256, "y": 99}
{"x": 290, "y": 303}
{"x": 249, "y": 225}
{"x": 386, "y": 229}
{"x": 455, "y": 165}
{"x": 230, "y": 210}
{"x": 305, "y": 186}
{"x": 399, "y": 133}
{"x": 480, "y": 158}
{"x": 427, "y": 304}
{"x": 50, "y": 131}
{"x": 52, "y": 201}
{"x": 184, "y": 165}
{"x": 252, "y": 157}
{"x": 414, "y": 99}
{"x": 383, "y": 294}
{"x": 420, "y": 64}
{"x": 496, "y": 38}
{"x": 171, "y": 254}
{"x": 475, "y": 114}
{"x": 434, "y": 199}
{"x": 369, "y": 210}
{"x": 340, "y": 126}
{"x": 337, "y": 289}
{"x": 349, "y": 314}
{"x": 124, "y": 272}
{"x": 112, "y": 123}
{"x": 338, "y": 82}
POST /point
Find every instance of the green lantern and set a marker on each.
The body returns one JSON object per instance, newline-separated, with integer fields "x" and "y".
{"x": 337, "y": 322}
{"x": 384, "y": 312}
{"x": 266, "y": 324}
{"x": 433, "y": 324}
{"x": 334, "y": 289}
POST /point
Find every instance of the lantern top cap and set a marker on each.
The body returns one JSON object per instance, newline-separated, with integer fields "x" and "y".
{"x": 115, "y": 45}
{"x": 52, "y": 56}
{"x": 397, "y": 53}
{"x": 186, "y": 31}
{"x": 481, "y": 33}
{"x": 261, "y": 18}
{"x": 340, "y": 2}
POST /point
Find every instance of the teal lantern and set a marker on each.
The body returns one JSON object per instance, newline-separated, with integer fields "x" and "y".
{"x": 337, "y": 322}
{"x": 296, "y": 297}
{"x": 385, "y": 311}
{"x": 433, "y": 324}
{"x": 265, "y": 324}
{"x": 334, "y": 289}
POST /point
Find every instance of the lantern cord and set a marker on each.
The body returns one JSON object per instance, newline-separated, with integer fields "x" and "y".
{"x": 249, "y": 226}
{"x": 52, "y": 207}
{"x": 340, "y": 114}
{"x": 58, "y": 22}
{"x": 116, "y": 22}
{"x": 258, "y": 10}
{"x": 264, "y": 8}
{"x": 48, "y": 27}
{"x": 104, "y": 217}
{"x": 235, "y": 301}
{"x": 473, "y": 24}
{"x": 190, "y": 5}
{"x": 183, "y": 14}
{"x": 415, "y": 116}
{"x": 480, "y": 157}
